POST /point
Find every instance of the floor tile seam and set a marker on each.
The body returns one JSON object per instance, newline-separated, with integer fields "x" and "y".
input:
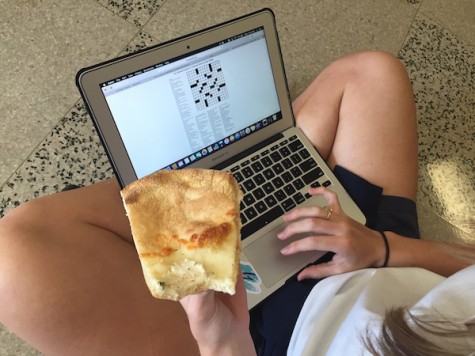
{"x": 35, "y": 148}
{"x": 113, "y": 13}
{"x": 424, "y": 206}
{"x": 154, "y": 14}
{"x": 409, "y": 29}
{"x": 459, "y": 37}
{"x": 141, "y": 29}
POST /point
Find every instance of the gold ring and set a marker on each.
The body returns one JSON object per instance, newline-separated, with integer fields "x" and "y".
{"x": 328, "y": 210}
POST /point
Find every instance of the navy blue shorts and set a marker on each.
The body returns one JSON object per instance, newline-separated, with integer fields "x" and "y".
{"x": 273, "y": 321}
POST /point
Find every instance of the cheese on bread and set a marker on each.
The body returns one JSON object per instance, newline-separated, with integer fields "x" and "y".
{"x": 186, "y": 229}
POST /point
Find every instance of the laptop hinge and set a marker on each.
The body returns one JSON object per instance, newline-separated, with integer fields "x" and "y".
{"x": 248, "y": 152}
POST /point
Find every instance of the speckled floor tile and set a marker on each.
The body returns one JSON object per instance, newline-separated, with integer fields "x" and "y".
{"x": 442, "y": 69}
{"x": 415, "y": 3}
{"x": 137, "y": 12}
{"x": 312, "y": 33}
{"x": 456, "y": 16}
{"x": 11, "y": 345}
{"x": 435, "y": 228}
{"x": 141, "y": 41}
{"x": 40, "y": 53}
{"x": 71, "y": 154}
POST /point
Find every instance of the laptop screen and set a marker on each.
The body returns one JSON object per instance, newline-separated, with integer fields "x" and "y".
{"x": 177, "y": 112}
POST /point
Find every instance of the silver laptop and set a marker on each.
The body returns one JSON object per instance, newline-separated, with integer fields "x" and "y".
{"x": 217, "y": 98}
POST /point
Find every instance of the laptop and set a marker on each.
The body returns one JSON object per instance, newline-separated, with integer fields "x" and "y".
{"x": 217, "y": 99}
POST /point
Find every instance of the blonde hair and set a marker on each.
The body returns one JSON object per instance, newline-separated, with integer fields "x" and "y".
{"x": 401, "y": 335}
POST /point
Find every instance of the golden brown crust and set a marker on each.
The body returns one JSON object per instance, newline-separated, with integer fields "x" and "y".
{"x": 175, "y": 215}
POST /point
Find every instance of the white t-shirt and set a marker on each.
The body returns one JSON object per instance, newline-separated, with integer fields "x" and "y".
{"x": 339, "y": 309}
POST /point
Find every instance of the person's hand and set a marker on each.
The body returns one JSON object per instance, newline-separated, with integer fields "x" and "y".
{"x": 219, "y": 322}
{"x": 355, "y": 246}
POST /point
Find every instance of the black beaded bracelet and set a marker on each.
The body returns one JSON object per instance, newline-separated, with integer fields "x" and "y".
{"x": 386, "y": 244}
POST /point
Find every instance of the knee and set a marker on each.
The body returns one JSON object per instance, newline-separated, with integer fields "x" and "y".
{"x": 375, "y": 65}
{"x": 17, "y": 244}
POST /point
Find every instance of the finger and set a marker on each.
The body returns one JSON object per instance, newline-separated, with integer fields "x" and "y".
{"x": 312, "y": 243}
{"x": 237, "y": 302}
{"x": 330, "y": 196}
{"x": 306, "y": 212}
{"x": 307, "y": 226}
{"x": 320, "y": 271}
{"x": 199, "y": 305}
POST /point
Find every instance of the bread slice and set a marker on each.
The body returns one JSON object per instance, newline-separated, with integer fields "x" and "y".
{"x": 186, "y": 229}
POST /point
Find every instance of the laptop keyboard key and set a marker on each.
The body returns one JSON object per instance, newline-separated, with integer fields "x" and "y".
{"x": 270, "y": 201}
{"x": 276, "y": 157}
{"x": 257, "y": 167}
{"x": 247, "y": 172}
{"x": 289, "y": 189}
{"x": 260, "y": 207}
{"x": 238, "y": 176}
{"x": 278, "y": 169}
{"x": 268, "y": 188}
{"x": 266, "y": 161}
{"x": 287, "y": 177}
{"x": 249, "y": 199}
{"x": 258, "y": 194}
{"x": 304, "y": 153}
{"x": 269, "y": 174}
{"x": 284, "y": 151}
{"x": 259, "y": 179}
{"x": 299, "y": 198}
{"x": 280, "y": 195}
{"x": 296, "y": 158}
{"x": 278, "y": 182}
{"x": 312, "y": 176}
{"x": 287, "y": 163}
{"x": 288, "y": 204}
{"x": 298, "y": 184}
{"x": 295, "y": 145}
{"x": 249, "y": 185}
{"x": 251, "y": 213}
{"x": 308, "y": 165}
{"x": 296, "y": 172}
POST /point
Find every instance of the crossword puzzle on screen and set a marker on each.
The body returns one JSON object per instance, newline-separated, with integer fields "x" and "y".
{"x": 207, "y": 84}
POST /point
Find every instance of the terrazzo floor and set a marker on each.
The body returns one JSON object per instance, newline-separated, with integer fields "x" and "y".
{"x": 47, "y": 140}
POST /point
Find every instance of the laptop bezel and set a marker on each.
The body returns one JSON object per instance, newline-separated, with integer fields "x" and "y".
{"x": 89, "y": 79}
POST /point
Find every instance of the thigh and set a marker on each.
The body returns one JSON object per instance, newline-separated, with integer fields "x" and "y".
{"x": 360, "y": 114}
{"x": 71, "y": 281}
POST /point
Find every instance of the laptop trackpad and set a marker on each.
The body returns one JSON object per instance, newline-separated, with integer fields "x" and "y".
{"x": 264, "y": 254}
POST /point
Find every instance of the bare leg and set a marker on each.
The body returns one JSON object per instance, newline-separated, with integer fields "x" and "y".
{"x": 71, "y": 282}
{"x": 360, "y": 114}
{"x": 70, "y": 279}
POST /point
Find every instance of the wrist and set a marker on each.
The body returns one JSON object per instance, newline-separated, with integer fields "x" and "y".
{"x": 381, "y": 249}
{"x": 387, "y": 251}
{"x": 237, "y": 345}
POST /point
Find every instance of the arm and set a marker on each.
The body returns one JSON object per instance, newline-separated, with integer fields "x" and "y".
{"x": 356, "y": 246}
{"x": 220, "y": 322}
{"x": 441, "y": 258}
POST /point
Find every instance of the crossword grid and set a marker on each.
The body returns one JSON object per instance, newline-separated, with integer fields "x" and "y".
{"x": 207, "y": 84}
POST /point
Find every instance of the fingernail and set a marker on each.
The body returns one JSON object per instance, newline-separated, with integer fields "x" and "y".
{"x": 284, "y": 250}
{"x": 280, "y": 235}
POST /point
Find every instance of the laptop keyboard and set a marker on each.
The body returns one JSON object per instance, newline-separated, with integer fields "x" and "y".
{"x": 275, "y": 181}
